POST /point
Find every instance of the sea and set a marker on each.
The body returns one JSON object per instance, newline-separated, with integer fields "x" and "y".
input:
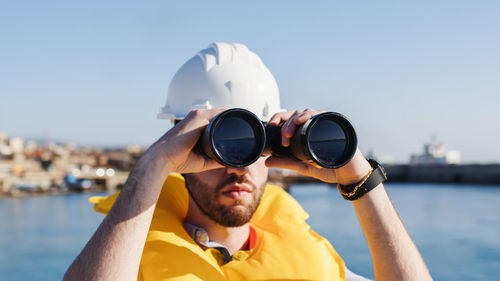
{"x": 455, "y": 227}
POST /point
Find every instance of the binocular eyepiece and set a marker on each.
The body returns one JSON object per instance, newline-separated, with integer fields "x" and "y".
{"x": 237, "y": 138}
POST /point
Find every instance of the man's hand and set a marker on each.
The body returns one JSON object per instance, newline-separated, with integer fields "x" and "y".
{"x": 114, "y": 251}
{"x": 395, "y": 256}
{"x": 176, "y": 146}
{"x": 350, "y": 173}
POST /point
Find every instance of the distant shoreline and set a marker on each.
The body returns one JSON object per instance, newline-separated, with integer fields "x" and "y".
{"x": 483, "y": 174}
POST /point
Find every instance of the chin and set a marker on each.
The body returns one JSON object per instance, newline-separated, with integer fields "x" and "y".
{"x": 236, "y": 216}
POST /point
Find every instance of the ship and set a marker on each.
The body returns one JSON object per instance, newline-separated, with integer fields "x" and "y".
{"x": 436, "y": 153}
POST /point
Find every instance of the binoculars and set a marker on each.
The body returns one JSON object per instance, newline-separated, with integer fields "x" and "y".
{"x": 237, "y": 138}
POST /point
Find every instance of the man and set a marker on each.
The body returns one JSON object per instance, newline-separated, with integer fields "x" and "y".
{"x": 225, "y": 223}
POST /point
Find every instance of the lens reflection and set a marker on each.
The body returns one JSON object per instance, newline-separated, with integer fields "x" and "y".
{"x": 235, "y": 140}
{"x": 327, "y": 141}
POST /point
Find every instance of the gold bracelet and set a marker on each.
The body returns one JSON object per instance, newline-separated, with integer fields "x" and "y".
{"x": 357, "y": 186}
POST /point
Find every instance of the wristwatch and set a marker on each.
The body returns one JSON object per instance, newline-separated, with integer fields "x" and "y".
{"x": 354, "y": 191}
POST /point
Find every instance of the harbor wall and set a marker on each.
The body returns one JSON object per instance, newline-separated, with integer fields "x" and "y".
{"x": 467, "y": 174}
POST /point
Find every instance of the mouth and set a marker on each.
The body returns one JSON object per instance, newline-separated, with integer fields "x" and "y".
{"x": 236, "y": 191}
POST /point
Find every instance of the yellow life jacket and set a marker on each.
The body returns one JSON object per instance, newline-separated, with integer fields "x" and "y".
{"x": 286, "y": 248}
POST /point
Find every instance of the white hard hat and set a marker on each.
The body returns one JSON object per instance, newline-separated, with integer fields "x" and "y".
{"x": 223, "y": 75}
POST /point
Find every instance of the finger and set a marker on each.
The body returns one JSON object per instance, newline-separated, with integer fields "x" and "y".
{"x": 189, "y": 130}
{"x": 287, "y": 163}
{"x": 198, "y": 119}
{"x": 297, "y": 119}
{"x": 212, "y": 164}
{"x": 207, "y": 114}
{"x": 197, "y": 162}
{"x": 305, "y": 115}
{"x": 326, "y": 175}
{"x": 279, "y": 117}
{"x": 214, "y": 111}
{"x": 288, "y": 129}
{"x": 204, "y": 114}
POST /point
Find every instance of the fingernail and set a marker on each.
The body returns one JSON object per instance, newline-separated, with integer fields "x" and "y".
{"x": 285, "y": 142}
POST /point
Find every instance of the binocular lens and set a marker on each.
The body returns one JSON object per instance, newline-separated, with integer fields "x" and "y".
{"x": 327, "y": 142}
{"x": 234, "y": 138}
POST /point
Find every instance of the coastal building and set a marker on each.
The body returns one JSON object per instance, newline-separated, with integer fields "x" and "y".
{"x": 28, "y": 166}
{"x": 17, "y": 145}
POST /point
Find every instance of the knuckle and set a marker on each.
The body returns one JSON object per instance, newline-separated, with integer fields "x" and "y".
{"x": 277, "y": 116}
{"x": 194, "y": 113}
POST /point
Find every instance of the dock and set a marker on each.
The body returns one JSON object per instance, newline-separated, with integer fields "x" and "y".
{"x": 485, "y": 174}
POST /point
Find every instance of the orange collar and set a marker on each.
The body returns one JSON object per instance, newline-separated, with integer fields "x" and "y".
{"x": 251, "y": 241}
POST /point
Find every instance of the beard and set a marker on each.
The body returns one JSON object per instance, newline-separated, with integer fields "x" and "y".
{"x": 208, "y": 201}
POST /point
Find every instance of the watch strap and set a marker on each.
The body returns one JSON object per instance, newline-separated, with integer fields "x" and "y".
{"x": 372, "y": 180}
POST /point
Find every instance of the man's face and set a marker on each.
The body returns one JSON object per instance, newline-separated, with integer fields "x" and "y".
{"x": 229, "y": 196}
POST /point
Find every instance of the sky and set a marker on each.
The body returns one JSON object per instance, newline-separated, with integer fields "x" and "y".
{"x": 97, "y": 72}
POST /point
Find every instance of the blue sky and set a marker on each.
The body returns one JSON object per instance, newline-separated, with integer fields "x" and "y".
{"x": 97, "y": 72}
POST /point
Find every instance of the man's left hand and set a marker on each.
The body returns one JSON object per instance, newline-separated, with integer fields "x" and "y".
{"x": 352, "y": 172}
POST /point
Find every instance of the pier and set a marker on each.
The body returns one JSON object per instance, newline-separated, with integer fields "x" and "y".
{"x": 484, "y": 174}
{"x": 461, "y": 174}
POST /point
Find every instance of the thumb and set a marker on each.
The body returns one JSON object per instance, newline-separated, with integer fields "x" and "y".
{"x": 288, "y": 163}
{"x": 210, "y": 164}
{"x": 323, "y": 174}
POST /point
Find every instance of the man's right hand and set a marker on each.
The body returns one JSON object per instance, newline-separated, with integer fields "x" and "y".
{"x": 114, "y": 251}
{"x": 175, "y": 148}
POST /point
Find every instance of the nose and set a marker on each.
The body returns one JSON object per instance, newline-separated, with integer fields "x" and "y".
{"x": 238, "y": 171}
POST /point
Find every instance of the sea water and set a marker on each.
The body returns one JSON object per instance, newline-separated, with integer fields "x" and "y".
{"x": 456, "y": 228}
